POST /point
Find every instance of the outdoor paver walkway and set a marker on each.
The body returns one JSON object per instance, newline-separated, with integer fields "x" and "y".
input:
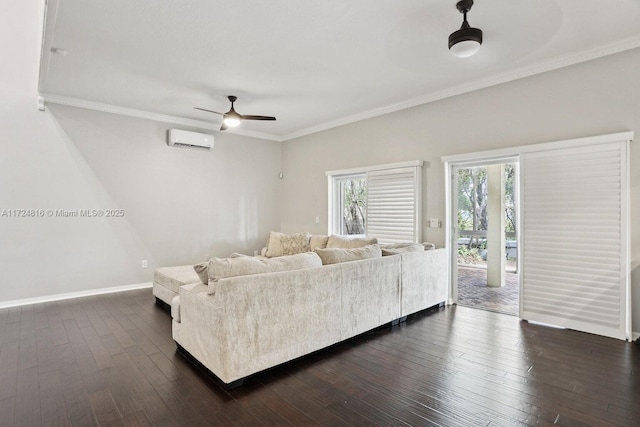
{"x": 474, "y": 292}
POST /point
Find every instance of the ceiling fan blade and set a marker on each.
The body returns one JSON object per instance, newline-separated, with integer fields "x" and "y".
{"x": 257, "y": 117}
{"x": 223, "y": 126}
{"x": 208, "y": 111}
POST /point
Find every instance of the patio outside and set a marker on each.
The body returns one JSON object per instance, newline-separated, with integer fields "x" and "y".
{"x": 473, "y": 221}
{"x": 473, "y": 291}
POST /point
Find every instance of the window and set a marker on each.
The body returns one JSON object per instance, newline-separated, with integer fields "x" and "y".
{"x": 380, "y": 201}
{"x": 351, "y": 204}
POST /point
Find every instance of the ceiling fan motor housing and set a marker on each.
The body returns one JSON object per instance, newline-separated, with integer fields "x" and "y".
{"x": 467, "y": 40}
{"x": 466, "y": 33}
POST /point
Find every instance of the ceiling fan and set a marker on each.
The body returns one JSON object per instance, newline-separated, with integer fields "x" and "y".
{"x": 231, "y": 118}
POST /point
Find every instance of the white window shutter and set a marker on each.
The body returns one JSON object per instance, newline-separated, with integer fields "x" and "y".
{"x": 574, "y": 237}
{"x": 393, "y": 204}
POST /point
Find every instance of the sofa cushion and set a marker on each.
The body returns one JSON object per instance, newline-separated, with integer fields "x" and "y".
{"x": 346, "y": 242}
{"x": 219, "y": 268}
{"x": 174, "y": 277}
{"x": 201, "y": 271}
{"x": 338, "y": 255}
{"x": 400, "y": 248}
{"x": 280, "y": 244}
{"x": 318, "y": 241}
{"x": 428, "y": 246}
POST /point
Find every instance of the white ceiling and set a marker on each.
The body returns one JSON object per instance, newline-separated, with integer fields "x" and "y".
{"x": 312, "y": 64}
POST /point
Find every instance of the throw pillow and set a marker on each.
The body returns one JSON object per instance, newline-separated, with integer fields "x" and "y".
{"x": 201, "y": 270}
{"x": 338, "y": 255}
{"x": 318, "y": 241}
{"x": 336, "y": 241}
{"x": 280, "y": 244}
{"x": 220, "y": 268}
{"x": 428, "y": 246}
{"x": 400, "y": 248}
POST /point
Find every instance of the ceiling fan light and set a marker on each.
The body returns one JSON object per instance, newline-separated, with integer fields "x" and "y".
{"x": 465, "y": 42}
{"x": 231, "y": 121}
{"x": 231, "y": 118}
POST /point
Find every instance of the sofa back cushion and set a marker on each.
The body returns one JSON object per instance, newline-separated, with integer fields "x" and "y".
{"x": 338, "y": 255}
{"x": 219, "y": 268}
{"x": 345, "y": 242}
{"x": 428, "y": 246}
{"x": 280, "y": 244}
{"x": 400, "y": 248}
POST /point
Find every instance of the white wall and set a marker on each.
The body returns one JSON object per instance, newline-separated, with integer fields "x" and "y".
{"x": 593, "y": 98}
{"x": 180, "y": 205}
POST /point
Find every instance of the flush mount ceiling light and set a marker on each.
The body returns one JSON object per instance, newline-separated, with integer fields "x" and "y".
{"x": 467, "y": 40}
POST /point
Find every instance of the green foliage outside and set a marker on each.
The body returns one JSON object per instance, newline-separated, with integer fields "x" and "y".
{"x": 472, "y": 199}
{"x": 468, "y": 255}
{"x": 472, "y": 209}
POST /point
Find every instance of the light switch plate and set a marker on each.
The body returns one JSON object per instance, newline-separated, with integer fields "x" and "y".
{"x": 434, "y": 223}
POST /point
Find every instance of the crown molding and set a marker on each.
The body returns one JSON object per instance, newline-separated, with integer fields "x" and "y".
{"x": 519, "y": 73}
{"x": 141, "y": 114}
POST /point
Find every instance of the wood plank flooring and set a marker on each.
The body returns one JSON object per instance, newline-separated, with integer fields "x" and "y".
{"x": 109, "y": 360}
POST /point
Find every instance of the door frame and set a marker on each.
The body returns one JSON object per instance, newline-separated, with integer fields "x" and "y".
{"x": 499, "y": 156}
{"x": 451, "y": 232}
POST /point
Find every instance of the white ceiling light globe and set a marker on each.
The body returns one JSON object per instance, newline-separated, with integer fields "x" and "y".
{"x": 465, "y": 49}
{"x": 231, "y": 122}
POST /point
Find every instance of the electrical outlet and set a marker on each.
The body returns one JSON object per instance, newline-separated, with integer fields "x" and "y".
{"x": 144, "y": 263}
{"x": 317, "y": 220}
{"x": 434, "y": 223}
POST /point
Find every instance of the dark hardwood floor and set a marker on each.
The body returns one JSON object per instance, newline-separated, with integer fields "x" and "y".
{"x": 109, "y": 360}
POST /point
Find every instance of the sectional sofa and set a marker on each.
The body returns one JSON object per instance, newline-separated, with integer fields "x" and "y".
{"x": 243, "y": 320}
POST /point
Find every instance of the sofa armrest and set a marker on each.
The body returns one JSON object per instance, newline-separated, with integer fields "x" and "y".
{"x": 201, "y": 328}
{"x": 424, "y": 280}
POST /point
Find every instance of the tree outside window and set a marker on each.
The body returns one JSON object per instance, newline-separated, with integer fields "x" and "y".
{"x": 472, "y": 209}
{"x": 354, "y": 198}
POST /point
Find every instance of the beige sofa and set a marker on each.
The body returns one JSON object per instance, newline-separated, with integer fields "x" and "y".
{"x": 250, "y": 323}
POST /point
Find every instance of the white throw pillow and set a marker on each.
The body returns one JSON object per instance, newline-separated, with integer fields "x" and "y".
{"x": 318, "y": 241}
{"x": 201, "y": 271}
{"x": 399, "y": 248}
{"x": 280, "y": 244}
{"x": 338, "y": 255}
{"x": 345, "y": 242}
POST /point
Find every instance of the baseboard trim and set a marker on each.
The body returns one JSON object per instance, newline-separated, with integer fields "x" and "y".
{"x": 635, "y": 336}
{"x": 70, "y": 295}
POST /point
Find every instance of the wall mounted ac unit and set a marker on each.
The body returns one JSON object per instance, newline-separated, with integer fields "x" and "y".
{"x": 183, "y": 138}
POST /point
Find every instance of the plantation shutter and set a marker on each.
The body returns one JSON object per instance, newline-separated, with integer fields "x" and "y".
{"x": 393, "y": 204}
{"x": 574, "y": 237}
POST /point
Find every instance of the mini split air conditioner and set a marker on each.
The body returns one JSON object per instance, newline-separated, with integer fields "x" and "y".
{"x": 183, "y": 138}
